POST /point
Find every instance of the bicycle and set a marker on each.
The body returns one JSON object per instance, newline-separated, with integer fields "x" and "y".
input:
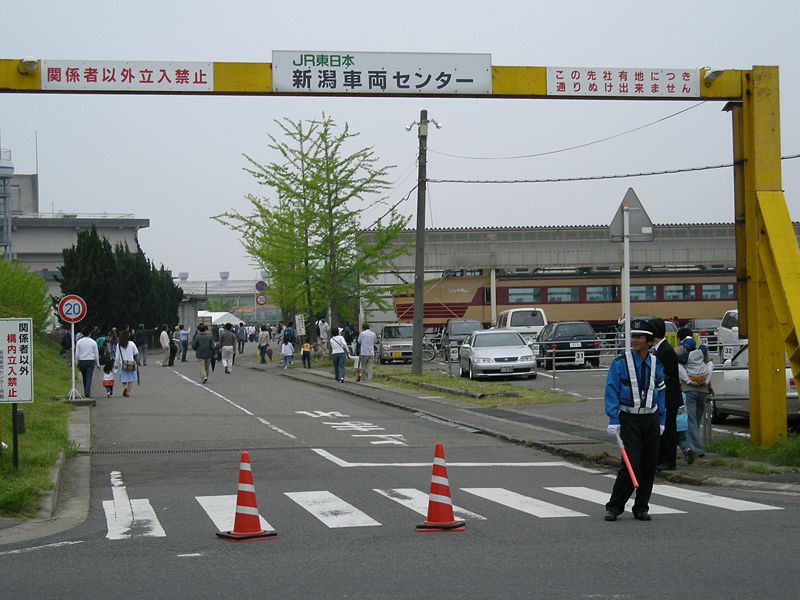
{"x": 430, "y": 349}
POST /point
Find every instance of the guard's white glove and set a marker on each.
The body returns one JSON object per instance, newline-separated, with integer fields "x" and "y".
{"x": 612, "y": 430}
{"x": 661, "y": 429}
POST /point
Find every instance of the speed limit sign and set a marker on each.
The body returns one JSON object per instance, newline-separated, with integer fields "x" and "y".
{"x": 72, "y": 308}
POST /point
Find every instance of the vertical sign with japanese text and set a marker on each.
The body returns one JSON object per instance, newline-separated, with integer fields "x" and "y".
{"x": 623, "y": 82}
{"x": 322, "y": 72}
{"x": 16, "y": 361}
{"x": 127, "y": 76}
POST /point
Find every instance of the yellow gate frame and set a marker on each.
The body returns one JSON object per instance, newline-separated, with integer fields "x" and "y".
{"x": 767, "y": 255}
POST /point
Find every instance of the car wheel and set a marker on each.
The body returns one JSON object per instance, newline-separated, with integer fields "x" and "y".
{"x": 471, "y": 372}
{"x": 461, "y": 371}
{"x": 716, "y": 416}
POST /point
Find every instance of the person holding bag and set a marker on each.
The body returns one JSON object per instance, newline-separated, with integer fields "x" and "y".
{"x": 338, "y": 353}
{"x": 126, "y": 362}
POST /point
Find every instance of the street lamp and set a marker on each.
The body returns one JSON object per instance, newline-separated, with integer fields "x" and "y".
{"x": 419, "y": 262}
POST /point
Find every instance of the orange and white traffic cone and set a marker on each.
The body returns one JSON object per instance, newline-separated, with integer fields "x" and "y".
{"x": 247, "y": 522}
{"x": 440, "y": 505}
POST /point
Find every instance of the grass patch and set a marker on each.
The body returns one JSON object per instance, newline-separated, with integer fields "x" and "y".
{"x": 45, "y": 437}
{"x": 495, "y": 393}
{"x": 784, "y": 452}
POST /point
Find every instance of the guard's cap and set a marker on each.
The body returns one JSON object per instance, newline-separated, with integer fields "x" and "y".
{"x": 642, "y": 327}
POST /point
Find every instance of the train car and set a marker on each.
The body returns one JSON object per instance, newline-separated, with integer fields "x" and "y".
{"x": 574, "y": 295}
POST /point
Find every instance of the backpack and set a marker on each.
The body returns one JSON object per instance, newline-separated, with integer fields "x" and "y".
{"x": 288, "y": 335}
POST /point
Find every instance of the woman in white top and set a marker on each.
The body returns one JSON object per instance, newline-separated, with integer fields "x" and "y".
{"x": 127, "y": 352}
{"x": 338, "y": 353}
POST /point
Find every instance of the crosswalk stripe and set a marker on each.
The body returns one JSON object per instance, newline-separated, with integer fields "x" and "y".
{"x": 134, "y": 518}
{"x": 332, "y": 510}
{"x": 417, "y": 501}
{"x": 598, "y": 497}
{"x": 710, "y": 499}
{"x": 526, "y": 504}
{"x": 222, "y": 511}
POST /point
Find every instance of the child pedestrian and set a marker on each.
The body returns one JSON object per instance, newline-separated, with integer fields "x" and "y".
{"x": 287, "y": 355}
{"x": 306, "y": 356}
{"x": 108, "y": 378}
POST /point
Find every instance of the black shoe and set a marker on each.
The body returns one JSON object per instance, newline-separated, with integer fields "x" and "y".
{"x": 689, "y": 454}
{"x": 665, "y": 467}
{"x": 205, "y": 379}
{"x": 642, "y": 516}
{"x": 610, "y": 516}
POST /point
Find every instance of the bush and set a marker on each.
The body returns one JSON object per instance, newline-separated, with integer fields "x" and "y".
{"x": 24, "y": 295}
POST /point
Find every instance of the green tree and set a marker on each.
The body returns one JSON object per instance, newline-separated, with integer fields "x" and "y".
{"x": 24, "y": 295}
{"x": 308, "y": 236}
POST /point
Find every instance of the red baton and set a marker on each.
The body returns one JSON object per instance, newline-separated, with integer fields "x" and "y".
{"x": 627, "y": 462}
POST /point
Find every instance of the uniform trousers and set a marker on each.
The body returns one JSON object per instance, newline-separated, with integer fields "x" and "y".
{"x": 640, "y": 435}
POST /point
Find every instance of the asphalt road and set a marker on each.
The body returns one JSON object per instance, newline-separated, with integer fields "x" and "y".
{"x": 169, "y": 454}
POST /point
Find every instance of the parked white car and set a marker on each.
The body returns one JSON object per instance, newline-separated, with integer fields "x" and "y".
{"x": 728, "y": 335}
{"x": 731, "y": 383}
{"x": 527, "y": 321}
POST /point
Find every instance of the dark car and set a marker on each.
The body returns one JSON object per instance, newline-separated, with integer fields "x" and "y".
{"x": 455, "y": 331}
{"x": 706, "y": 331}
{"x": 568, "y": 342}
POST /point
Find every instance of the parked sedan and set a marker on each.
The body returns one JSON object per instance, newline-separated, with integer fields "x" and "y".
{"x": 568, "y": 342}
{"x": 731, "y": 383}
{"x": 496, "y": 353}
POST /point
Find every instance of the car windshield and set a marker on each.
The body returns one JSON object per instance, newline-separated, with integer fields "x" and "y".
{"x": 493, "y": 340}
{"x": 567, "y": 330}
{"x": 464, "y": 327}
{"x": 391, "y": 332}
{"x": 526, "y": 318}
{"x": 706, "y": 323}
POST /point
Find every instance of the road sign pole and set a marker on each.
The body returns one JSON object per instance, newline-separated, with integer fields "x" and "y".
{"x": 73, "y": 392}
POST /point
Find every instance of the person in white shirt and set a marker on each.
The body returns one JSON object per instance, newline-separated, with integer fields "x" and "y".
{"x": 163, "y": 339}
{"x": 366, "y": 358}
{"x": 88, "y": 360}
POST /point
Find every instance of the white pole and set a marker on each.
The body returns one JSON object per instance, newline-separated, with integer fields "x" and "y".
{"x": 493, "y": 297}
{"x": 626, "y": 274}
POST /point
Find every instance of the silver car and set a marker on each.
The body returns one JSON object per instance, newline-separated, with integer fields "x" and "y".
{"x": 496, "y": 353}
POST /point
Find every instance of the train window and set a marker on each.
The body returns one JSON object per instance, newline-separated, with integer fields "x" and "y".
{"x": 602, "y": 293}
{"x": 717, "y": 291}
{"x": 679, "y": 292}
{"x": 563, "y": 294}
{"x": 640, "y": 293}
{"x": 524, "y": 295}
{"x": 473, "y": 272}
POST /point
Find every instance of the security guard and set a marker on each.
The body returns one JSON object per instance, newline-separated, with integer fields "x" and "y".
{"x": 634, "y": 403}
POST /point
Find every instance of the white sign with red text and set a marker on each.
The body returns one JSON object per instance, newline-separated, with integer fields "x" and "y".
{"x": 623, "y": 82}
{"x": 127, "y": 76}
{"x": 16, "y": 361}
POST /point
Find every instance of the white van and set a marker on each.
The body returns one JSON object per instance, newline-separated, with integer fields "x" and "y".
{"x": 728, "y": 335}
{"x": 528, "y": 321}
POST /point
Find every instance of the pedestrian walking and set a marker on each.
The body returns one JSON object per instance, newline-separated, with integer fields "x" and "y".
{"x": 108, "y": 377}
{"x": 184, "y": 338}
{"x": 263, "y": 344}
{"x": 140, "y": 338}
{"x": 695, "y": 367}
{"x": 665, "y": 355}
{"x": 366, "y": 357}
{"x": 88, "y": 358}
{"x": 126, "y": 362}
{"x": 227, "y": 344}
{"x": 634, "y": 403}
{"x": 287, "y": 354}
{"x": 164, "y": 340}
{"x": 241, "y": 337}
{"x": 203, "y": 346}
{"x": 305, "y": 356}
{"x": 339, "y": 352}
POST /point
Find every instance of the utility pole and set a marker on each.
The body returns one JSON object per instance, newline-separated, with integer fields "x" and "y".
{"x": 419, "y": 262}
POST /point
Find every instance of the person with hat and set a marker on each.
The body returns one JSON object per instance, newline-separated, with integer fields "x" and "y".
{"x": 634, "y": 403}
{"x": 673, "y": 400}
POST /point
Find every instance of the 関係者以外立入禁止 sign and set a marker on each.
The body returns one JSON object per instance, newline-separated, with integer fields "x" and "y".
{"x": 127, "y": 76}
{"x": 16, "y": 361}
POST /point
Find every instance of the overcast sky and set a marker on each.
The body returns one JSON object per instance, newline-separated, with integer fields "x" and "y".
{"x": 177, "y": 160}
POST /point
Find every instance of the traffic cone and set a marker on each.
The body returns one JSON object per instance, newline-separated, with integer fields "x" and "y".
{"x": 246, "y": 524}
{"x": 440, "y": 505}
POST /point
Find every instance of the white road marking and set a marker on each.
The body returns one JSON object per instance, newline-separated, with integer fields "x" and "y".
{"x": 232, "y": 403}
{"x": 417, "y": 501}
{"x": 33, "y": 548}
{"x": 222, "y": 511}
{"x": 598, "y": 497}
{"x": 190, "y": 555}
{"x": 127, "y": 518}
{"x": 710, "y": 499}
{"x": 332, "y": 510}
{"x": 526, "y": 504}
{"x": 429, "y": 397}
{"x": 343, "y": 463}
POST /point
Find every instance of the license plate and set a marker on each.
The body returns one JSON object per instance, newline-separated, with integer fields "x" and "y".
{"x": 453, "y": 353}
{"x": 397, "y": 355}
{"x": 506, "y": 369}
{"x": 574, "y": 344}
{"x": 535, "y": 349}
{"x": 727, "y": 352}
{"x": 579, "y": 358}
{"x": 704, "y": 340}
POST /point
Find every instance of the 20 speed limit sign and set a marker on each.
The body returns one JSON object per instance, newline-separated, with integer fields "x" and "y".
{"x": 72, "y": 308}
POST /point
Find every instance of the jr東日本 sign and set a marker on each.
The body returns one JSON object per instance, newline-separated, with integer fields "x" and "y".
{"x": 322, "y": 72}
{"x": 16, "y": 361}
{"x": 127, "y": 76}
{"x": 623, "y": 82}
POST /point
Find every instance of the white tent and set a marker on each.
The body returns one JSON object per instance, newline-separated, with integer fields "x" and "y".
{"x": 220, "y": 318}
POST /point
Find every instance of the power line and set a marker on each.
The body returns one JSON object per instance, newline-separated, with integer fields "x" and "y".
{"x": 597, "y": 177}
{"x": 567, "y": 149}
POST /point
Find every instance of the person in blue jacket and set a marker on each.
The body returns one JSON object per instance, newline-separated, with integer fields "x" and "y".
{"x": 634, "y": 403}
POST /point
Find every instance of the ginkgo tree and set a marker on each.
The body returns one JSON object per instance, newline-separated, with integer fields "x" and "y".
{"x": 307, "y": 232}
